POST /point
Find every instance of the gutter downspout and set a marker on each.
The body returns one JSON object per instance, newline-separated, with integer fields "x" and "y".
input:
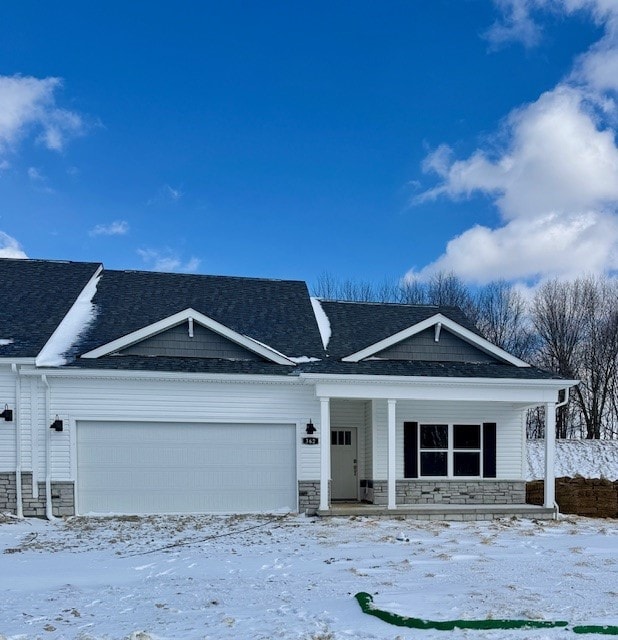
{"x": 557, "y": 406}
{"x": 48, "y": 495}
{"x": 19, "y": 501}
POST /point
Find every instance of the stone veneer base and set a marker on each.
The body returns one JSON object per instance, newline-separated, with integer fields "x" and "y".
{"x": 487, "y": 491}
{"x": 63, "y": 496}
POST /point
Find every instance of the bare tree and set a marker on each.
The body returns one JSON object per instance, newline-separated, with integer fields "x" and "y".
{"x": 577, "y": 323}
{"x": 502, "y": 317}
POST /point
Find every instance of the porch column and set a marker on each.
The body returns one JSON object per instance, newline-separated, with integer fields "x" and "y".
{"x": 324, "y": 452}
{"x": 550, "y": 452}
{"x": 391, "y": 468}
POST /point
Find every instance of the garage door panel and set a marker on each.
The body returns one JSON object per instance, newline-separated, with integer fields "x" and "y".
{"x": 174, "y": 468}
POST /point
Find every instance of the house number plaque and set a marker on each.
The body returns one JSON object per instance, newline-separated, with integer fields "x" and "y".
{"x": 310, "y": 440}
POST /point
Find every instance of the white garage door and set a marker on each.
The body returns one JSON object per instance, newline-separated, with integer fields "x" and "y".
{"x": 137, "y": 467}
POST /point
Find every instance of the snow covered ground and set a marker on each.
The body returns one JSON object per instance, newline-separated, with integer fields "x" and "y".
{"x": 259, "y": 577}
{"x": 587, "y": 458}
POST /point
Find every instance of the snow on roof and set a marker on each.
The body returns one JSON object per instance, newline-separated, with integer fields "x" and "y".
{"x": 586, "y": 458}
{"x": 76, "y": 321}
{"x": 5, "y": 341}
{"x": 322, "y": 320}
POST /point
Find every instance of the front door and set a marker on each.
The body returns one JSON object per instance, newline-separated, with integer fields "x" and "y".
{"x": 343, "y": 464}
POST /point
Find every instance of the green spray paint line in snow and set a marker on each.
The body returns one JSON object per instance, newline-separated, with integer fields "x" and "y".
{"x": 365, "y": 601}
{"x": 605, "y": 630}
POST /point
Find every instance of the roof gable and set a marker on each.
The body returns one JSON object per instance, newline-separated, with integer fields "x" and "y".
{"x": 189, "y": 340}
{"x": 435, "y": 346}
{"x": 437, "y": 321}
{"x": 190, "y": 316}
{"x": 277, "y": 313}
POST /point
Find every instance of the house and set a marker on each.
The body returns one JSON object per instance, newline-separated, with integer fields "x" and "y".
{"x": 140, "y": 392}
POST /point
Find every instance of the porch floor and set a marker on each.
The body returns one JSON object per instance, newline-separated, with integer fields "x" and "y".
{"x": 439, "y": 511}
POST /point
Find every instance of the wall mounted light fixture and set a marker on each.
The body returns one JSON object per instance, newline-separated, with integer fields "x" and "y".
{"x": 7, "y": 414}
{"x": 57, "y": 424}
{"x": 310, "y": 428}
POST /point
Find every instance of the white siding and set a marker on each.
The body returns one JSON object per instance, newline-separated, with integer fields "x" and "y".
{"x": 7, "y": 429}
{"x": 508, "y": 431}
{"x": 351, "y": 413}
{"x": 180, "y": 401}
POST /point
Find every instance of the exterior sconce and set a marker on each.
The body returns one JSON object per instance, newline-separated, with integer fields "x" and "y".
{"x": 57, "y": 424}
{"x": 7, "y": 414}
{"x": 310, "y": 428}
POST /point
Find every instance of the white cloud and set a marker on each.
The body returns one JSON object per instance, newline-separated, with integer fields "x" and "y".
{"x": 516, "y": 24}
{"x": 517, "y": 21}
{"x": 555, "y": 179}
{"x": 116, "y": 228}
{"x": 28, "y": 105}
{"x": 166, "y": 194}
{"x": 168, "y": 260}
{"x": 9, "y": 247}
{"x": 559, "y": 159}
{"x": 35, "y": 175}
{"x": 552, "y": 245}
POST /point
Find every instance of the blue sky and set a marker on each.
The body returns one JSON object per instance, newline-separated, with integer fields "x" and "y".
{"x": 369, "y": 140}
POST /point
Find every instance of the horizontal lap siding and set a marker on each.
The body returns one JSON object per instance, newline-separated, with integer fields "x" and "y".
{"x": 7, "y": 429}
{"x": 182, "y": 401}
{"x": 508, "y": 419}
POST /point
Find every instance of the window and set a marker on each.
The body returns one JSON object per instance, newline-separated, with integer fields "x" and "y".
{"x": 341, "y": 438}
{"x": 450, "y": 450}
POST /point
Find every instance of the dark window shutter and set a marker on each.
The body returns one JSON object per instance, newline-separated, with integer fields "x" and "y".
{"x": 410, "y": 449}
{"x": 489, "y": 450}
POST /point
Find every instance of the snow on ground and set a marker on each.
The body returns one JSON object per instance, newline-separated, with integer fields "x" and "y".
{"x": 586, "y": 458}
{"x": 294, "y": 577}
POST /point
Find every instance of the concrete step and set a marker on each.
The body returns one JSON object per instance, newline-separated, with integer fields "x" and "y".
{"x": 440, "y": 511}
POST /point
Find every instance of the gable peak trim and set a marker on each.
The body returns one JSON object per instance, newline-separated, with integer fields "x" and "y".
{"x": 437, "y": 320}
{"x": 191, "y": 316}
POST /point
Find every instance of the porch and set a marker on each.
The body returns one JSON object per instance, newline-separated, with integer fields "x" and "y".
{"x": 475, "y": 470}
{"x": 451, "y": 512}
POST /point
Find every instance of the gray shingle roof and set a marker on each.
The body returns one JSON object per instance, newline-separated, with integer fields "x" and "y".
{"x": 277, "y": 313}
{"x": 36, "y": 295}
{"x": 328, "y": 367}
{"x": 424, "y": 368}
{"x": 356, "y": 325}
{"x": 185, "y": 365}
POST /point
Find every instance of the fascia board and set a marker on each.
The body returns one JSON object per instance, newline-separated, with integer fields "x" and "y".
{"x": 175, "y": 319}
{"x": 17, "y": 361}
{"x": 452, "y": 326}
{"x": 442, "y": 390}
{"x": 551, "y": 383}
{"x": 75, "y": 373}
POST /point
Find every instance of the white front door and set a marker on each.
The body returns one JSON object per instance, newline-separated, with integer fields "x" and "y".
{"x": 344, "y": 464}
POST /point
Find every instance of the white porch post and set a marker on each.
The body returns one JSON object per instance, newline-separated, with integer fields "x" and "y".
{"x": 324, "y": 452}
{"x": 550, "y": 450}
{"x": 391, "y": 468}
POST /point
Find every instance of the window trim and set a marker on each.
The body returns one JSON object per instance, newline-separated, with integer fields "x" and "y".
{"x": 450, "y": 451}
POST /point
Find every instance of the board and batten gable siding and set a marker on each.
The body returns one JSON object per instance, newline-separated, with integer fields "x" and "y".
{"x": 177, "y": 343}
{"x": 423, "y": 346}
{"x": 76, "y": 399}
{"x": 509, "y": 449}
{"x": 7, "y": 429}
